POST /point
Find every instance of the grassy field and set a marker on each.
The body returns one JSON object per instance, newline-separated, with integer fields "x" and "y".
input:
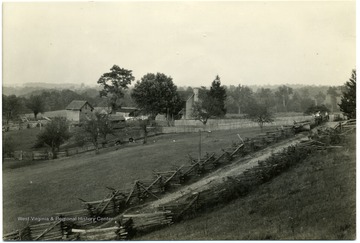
{"x": 314, "y": 200}
{"x": 22, "y": 139}
{"x": 47, "y": 187}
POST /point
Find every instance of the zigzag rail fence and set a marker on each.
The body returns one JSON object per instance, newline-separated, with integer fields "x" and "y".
{"x": 79, "y": 224}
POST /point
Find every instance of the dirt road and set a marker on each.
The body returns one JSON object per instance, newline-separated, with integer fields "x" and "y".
{"x": 234, "y": 169}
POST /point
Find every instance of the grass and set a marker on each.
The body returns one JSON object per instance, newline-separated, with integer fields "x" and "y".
{"x": 43, "y": 188}
{"x": 22, "y": 139}
{"x": 311, "y": 201}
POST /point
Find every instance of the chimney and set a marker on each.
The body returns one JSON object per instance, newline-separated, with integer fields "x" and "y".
{"x": 196, "y": 94}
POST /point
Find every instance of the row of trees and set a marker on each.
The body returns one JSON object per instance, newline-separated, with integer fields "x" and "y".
{"x": 211, "y": 103}
{"x": 283, "y": 99}
{"x": 156, "y": 93}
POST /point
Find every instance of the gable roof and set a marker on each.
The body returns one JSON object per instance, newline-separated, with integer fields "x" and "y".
{"x": 127, "y": 109}
{"x": 77, "y": 105}
{"x": 115, "y": 117}
{"x": 102, "y": 110}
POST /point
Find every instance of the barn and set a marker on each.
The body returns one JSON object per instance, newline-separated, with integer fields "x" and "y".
{"x": 79, "y": 111}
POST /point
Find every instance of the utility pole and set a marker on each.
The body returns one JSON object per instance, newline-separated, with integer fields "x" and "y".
{"x": 199, "y": 158}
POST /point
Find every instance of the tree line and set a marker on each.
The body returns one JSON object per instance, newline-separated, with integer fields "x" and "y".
{"x": 157, "y": 94}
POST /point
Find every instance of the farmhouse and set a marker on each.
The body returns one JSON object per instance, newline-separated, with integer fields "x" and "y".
{"x": 79, "y": 111}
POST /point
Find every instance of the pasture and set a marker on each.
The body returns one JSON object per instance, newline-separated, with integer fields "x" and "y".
{"x": 23, "y": 139}
{"x": 44, "y": 188}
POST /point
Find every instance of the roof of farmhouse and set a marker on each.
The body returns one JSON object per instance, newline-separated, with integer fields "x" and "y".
{"x": 127, "y": 109}
{"x": 77, "y": 105}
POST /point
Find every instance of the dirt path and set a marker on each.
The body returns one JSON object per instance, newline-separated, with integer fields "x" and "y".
{"x": 235, "y": 168}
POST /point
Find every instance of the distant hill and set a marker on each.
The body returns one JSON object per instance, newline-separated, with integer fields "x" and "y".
{"x": 35, "y": 88}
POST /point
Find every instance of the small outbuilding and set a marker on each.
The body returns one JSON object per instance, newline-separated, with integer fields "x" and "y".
{"x": 127, "y": 112}
{"x": 79, "y": 111}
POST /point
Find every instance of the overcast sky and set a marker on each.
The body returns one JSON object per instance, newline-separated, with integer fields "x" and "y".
{"x": 242, "y": 42}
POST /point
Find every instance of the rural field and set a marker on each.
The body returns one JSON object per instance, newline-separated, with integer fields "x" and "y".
{"x": 23, "y": 139}
{"x": 313, "y": 200}
{"x": 35, "y": 189}
{"x": 120, "y": 125}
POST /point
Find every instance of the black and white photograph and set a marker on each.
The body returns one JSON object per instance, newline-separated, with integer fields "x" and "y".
{"x": 178, "y": 120}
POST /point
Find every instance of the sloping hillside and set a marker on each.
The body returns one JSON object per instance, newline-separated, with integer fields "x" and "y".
{"x": 313, "y": 200}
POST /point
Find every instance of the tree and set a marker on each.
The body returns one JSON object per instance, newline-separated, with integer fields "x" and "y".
{"x": 157, "y": 94}
{"x": 283, "y": 95}
{"x": 260, "y": 114}
{"x": 295, "y": 104}
{"x": 306, "y": 102}
{"x": 348, "y": 99}
{"x": 320, "y": 98}
{"x": 206, "y": 107}
{"x": 55, "y": 133}
{"x": 211, "y": 102}
{"x": 114, "y": 84}
{"x": 97, "y": 127}
{"x": 36, "y": 104}
{"x": 332, "y": 91}
{"x": 265, "y": 97}
{"x": 241, "y": 96}
{"x": 12, "y": 106}
{"x": 59, "y": 100}
{"x": 305, "y": 94}
{"x": 217, "y": 95}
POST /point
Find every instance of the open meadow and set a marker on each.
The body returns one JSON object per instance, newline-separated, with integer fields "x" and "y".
{"x": 43, "y": 188}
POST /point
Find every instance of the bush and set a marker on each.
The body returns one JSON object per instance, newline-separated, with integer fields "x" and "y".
{"x": 80, "y": 138}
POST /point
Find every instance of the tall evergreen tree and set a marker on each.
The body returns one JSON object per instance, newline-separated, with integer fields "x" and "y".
{"x": 348, "y": 99}
{"x": 218, "y": 94}
{"x": 211, "y": 102}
